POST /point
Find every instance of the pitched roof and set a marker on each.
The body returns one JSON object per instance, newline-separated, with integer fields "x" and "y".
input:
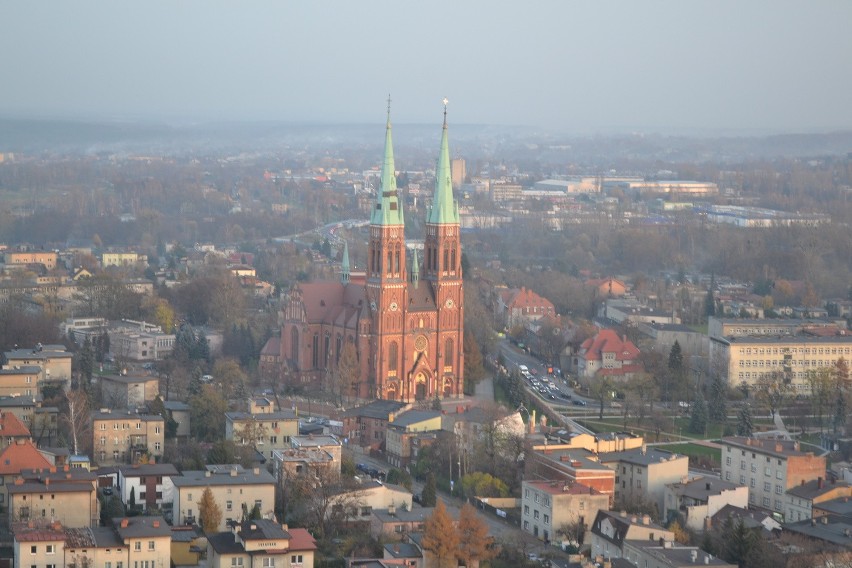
{"x": 11, "y": 425}
{"x": 22, "y": 455}
{"x": 524, "y": 299}
{"x": 607, "y": 341}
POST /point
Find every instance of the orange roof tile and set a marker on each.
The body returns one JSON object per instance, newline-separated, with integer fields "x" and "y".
{"x": 11, "y": 425}
{"x": 22, "y": 455}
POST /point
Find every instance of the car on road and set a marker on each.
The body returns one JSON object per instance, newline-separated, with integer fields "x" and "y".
{"x": 579, "y": 402}
{"x": 107, "y": 491}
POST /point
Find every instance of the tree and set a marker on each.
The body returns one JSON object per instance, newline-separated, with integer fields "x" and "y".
{"x": 710, "y": 300}
{"x": 820, "y": 382}
{"x": 745, "y": 426}
{"x": 87, "y": 362}
{"x": 643, "y": 389}
{"x": 772, "y": 390}
{"x": 473, "y": 368}
{"x": 840, "y": 378}
{"x": 440, "y": 540}
{"x": 429, "y": 497}
{"x": 479, "y": 484}
{"x": 210, "y": 512}
{"x": 347, "y": 374}
{"x": 681, "y": 535}
{"x": 601, "y": 390}
{"x": 718, "y": 406}
{"x": 399, "y": 477}
{"x": 77, "y": 418}
{"x": 474, "y": 543}
{"x": 207, "y": 414}
{"x": 698, "y": 421}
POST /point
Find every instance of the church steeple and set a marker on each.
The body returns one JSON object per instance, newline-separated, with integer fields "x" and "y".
{"x": 444, "y": 209}
{"x": 345, "y": 271}
{"x": 415, "y": 269}
{"x": 388, "y": 207}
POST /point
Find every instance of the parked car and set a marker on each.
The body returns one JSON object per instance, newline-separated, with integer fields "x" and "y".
{"x": 579, "y": 402}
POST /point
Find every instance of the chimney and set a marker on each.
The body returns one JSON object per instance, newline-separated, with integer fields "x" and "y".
{"x": 779, "y": 447}
{"x": 693, "y": 555}
{"x": 257, "y": 471}
{"x": 124, "y": 523}
{"x": 646, "y": 519}
{"x": 708, "y": 524}
{"x": 644, "y": 449}
{"x": 391, "y": 510}
{"x": 207, "y": 473}
{"x": 802, "y": 482}
{"x": 155, "y": 524}
{"x": 824, "y": 520}
{"x": 708, "y": 485}
{"x": 819, "y": 482}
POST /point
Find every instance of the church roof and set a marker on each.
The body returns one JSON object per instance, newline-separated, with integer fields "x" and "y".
{"x": 388, "y": 207}
{"x": 444, "y": 210}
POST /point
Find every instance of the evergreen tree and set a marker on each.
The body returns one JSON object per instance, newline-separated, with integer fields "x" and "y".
{"x": 710, "y": 300}
{"x": 87, "y": 363}
{"x": 718, "y": 399}
{"x": 440, "y": 540}
{"x": 676, "y": 358}
{"x": 430, "y": 492}
{"x": 698, "y": 422}
{"x": 744, "y": 421}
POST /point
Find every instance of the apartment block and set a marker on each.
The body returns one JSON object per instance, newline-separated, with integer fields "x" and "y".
{"x": 643, "y": 473}
{"x": 261, "y": 543}
{"x": 121, "y": 436}
{"x": 769, "y": 468}
{"x": 547, "y": 506}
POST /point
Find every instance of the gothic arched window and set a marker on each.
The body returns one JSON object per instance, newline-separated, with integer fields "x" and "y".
{"x": 448, "y": 352}
{"x": 393, "y": 356}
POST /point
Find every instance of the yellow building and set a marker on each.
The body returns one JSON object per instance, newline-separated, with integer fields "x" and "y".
{"x": 233, "y": 488}
{"x": 68, "y": 496}
{"x": 119, "y": 259}
{"x": 265, "y": 427}
{"x": 643, "y": 473}
{"x": 54, "y": 361}
{"x": 403, "y": 428}
{"x": 261, "y": 544}
{"x": 748, "y": 359}
{"x": 549, "y": 506}
{"x": 48, "y": 259}
{"x": 20, "y": 380}
{"x": 121, "y": 436}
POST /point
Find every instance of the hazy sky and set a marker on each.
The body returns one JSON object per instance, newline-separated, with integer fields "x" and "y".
{"x": 584, "y": 66}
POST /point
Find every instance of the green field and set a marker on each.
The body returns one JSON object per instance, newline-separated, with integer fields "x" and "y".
{"x": 695, "y": 452}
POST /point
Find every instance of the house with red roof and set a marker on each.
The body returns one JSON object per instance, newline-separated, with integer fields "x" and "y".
{"x": 518, "y": 306}
{"x": 12, "y": 429}
{"x": 22, "y": 455}
{"x": 607, "y": 354}
{"x": 607, "y": 287}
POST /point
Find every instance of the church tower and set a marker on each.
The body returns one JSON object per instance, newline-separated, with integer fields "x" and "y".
{"x": 442, "y": 270}
{"x": 386, "y": 277}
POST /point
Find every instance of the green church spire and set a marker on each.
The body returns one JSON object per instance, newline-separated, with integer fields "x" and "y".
{"x": 444, "y": 209}
{"x": 345, "y": 270}
{"x": 415, "y": 269}
{"x": 388, "y": 208}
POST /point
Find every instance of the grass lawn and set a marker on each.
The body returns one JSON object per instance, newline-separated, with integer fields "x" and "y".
{"x": 695, "y": 452}
{"x": 674, "y": 429}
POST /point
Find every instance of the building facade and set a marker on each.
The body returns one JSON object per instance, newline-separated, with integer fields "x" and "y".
{"x": 551, "y": 506}
{"x": 121, "y": 437}
{"x": 404, "y": 317}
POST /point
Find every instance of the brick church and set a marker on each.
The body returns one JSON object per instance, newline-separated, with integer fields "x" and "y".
{"x": 404, "y": 314}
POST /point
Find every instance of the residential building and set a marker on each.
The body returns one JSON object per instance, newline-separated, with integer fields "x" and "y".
{"x": 24, "y": 380}
{"x": 121, "y": 259}
{"x": 147, "y": 541}
{"x": 607, "y": 354}
{"x": 745, "y": 360}
{"x": 120, "y": 437}
{"x": 518, "y": 306}
{"x": 801, "y": 501}
{"x": 46, "y": 258}
{"x": 146, "y": 485}
{"x": 12, "y": 430}
{"x": 696, "y": 500}
{"x": 404, "y": 427}
{"x": 39, "y": 546}
{"x": 668, "y": 554}
{"x": 572, "y": 466}
{"x": 493, "y": 428}
{"x": 15, "y": 458}
{"x": 758, "y": 520}
{"x": 768, "y": 467}
{"x": 601, "y": 443}
{"x": 128, "y": 391}
{"x": 829, "y": 529}
{"x": 54, "y": 361}
{"x": 403, "y": 554}
{"x": 368, "y": 496}
{"x": 664, "y": 336}
{"x": 325, "y": 442}
{"x": 629, "y": 310}
{"x": 742, "y": 327}
{"x": 188, "y": 545}
{"x": 394, "y": 523}
{"x": 179, "y": 412}
{"x": 66, "y": 495}
{"x": 366, "y": 425}
{"x": 643, "y": 473}
{"x": 548, "y": 507}
{"x": 607, "y": 287}
{"x": 233, "y": 489}
{"x": 140, "y": 341}
{"x": 261, "y": 543}
{"x": 263, "y": 427}
{"x": 610, "y": 532}
{"x": 403, "y": 316}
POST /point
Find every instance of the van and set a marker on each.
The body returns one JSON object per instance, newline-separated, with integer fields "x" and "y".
{"x": 523, "y": 369}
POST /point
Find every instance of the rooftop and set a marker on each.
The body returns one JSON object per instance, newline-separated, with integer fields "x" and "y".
{"x": 701, "y": 488}
{"x": 563, "y": 488}
{"x": 771, "y": 446}
{"x": 641, "y": 456}
{"x": 232, "y": 477}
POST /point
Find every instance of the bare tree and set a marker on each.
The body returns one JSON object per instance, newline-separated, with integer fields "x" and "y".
{"x": 77, "y": 418}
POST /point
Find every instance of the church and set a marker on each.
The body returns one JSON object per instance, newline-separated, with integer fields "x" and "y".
{"x": 404, "y": 314}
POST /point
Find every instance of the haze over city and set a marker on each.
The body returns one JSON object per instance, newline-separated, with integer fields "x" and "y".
{"x": 686, "y": 67}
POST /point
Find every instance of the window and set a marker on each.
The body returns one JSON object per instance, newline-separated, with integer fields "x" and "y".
{"x": 229, "y": 505}
{"x": 137, "y": 546}
{"x": 150, "y": 545}
{"x": 778, "y": 490}
{"x": 727, "y": 476}
{"x": 189, "y": 496}
{"x": 742, "y": 480}
{"x": 526, "y": 512}
{"x": 268, "y": 562}
{"x": 33, "y": 549}
{"x": 547, "y": 519}
{"x": 296, "y": 559}
{"x": 236, "y": 561}
{"x": 767, "y": 486}
{"x": 752, "y": 482}
{"x": 156, "y": 429}
{"x": 728, "y": 460}
{"x": 778, "y": 473}
{"x": 766, "y": 501}
{"x": 768, "y": 471}
{"x": 51, "y": 549}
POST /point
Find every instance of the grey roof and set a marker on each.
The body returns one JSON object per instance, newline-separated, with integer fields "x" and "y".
{"x": 638, "y": 456}
{"x": 622, "y": 525}
{"x": 702, "y": 488}
{"x": 678, "y": 555}
{"x": 786, "y": 339}
{"x": 205, "y": 478}
{"x": 106, "y": 537}
{"x": 185, "y": 534}
{"x": 815, "y": 488}
{"x": 377, "y": 409}
{"x": 164, "y": 469}
{"x": 410, "y": 417}
{"x": 314, "y": 440}
{"x": 277, "y": 415}
{"x": 128, "y": 379}
{"x": 771, "y": 446}
{"x": 403, "y": 550}
{"x": 124, "y": 415}
{"x": 225, "y": 543}
{"x": 175, "y": 405}
{"x": 840, "y": 506}
{"x": 18, "y": 401}
{"x": 138, "y": 527}
{"x": 830, "y": 528}
{"x": 33, "y": 354}
{"x": 262, "y": 529}
{"x": 412, "y": 516}
{"x": 672, "y": 327}
{"x": 21, "y": 370}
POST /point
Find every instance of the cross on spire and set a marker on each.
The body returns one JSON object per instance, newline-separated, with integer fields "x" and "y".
{"x": 389, "y": 102}
{"x": 445, "y": 101}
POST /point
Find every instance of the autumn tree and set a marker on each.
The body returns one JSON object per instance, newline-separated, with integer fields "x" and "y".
{"x": 346, "y": 374}
{"x": 601, "y": 389}
{"x": 475, "y": 545}
{"x": 440, "y": 540}
{"x": 474, "y": 371}
{"x": 772, "y": 390}
{"x": 209, "y": 512}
